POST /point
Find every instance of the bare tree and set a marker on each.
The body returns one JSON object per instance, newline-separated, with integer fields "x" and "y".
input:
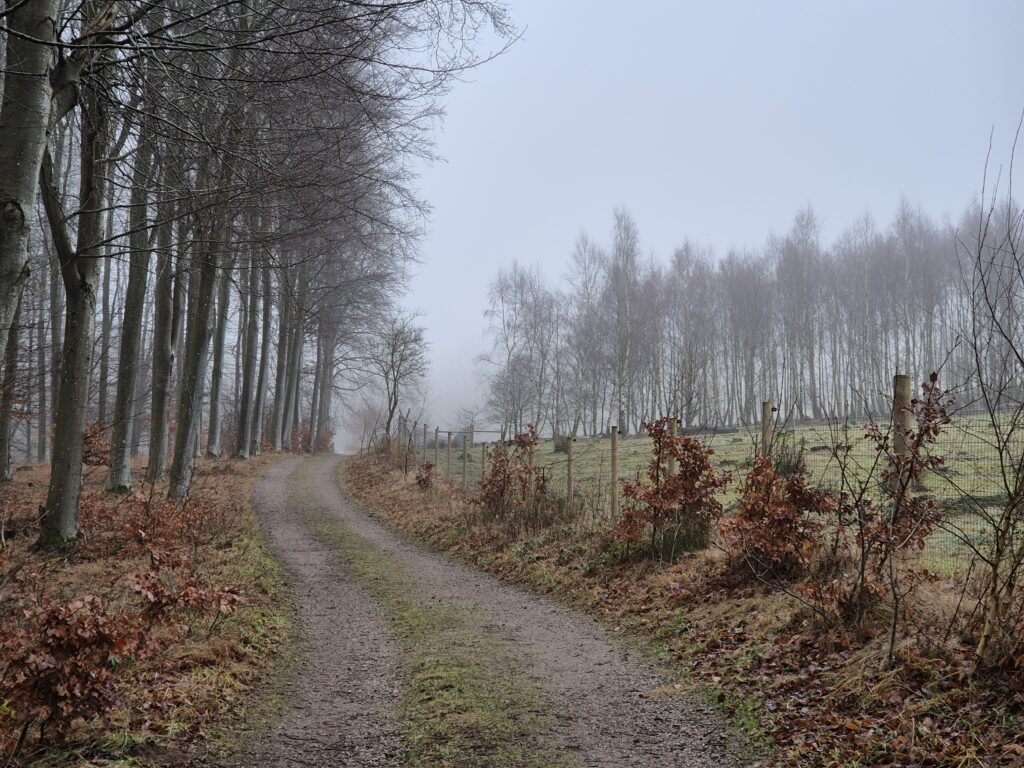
{"x": 991, "y": 250}
{"x": 399, "y": 358}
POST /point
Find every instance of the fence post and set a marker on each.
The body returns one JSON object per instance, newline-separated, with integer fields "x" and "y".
{"x": 766, "y": 428}
{"x": 568, "y": 471}
{"x": 902, "y": 418}
{"x": 412, "y": 436}
{"x": 449, "y": 447}
{"x": 483, "y": 460}
{"x": 615, "y": 473}
{"x": 672, "y": 433}
{"x": 465, "y": 462}
{"x": 437, "y": 442}
{"x": 424, "y": 442}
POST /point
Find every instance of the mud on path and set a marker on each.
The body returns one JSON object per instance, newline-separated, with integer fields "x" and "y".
{"x": 407, "y": 658}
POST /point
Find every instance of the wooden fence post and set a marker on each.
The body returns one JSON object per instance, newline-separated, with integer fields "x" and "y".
{"x": 568, "y": 471}
{"x": 437, "y": 442}
{"x": 615, "y": 473}
{"x": 465, "y": 462}
{"x": 672, "y": 433}
{"x": 902, "y": 417}
{"x": 424, "y": 442}
{"x": 483, "y": 460}
{"x": 766, "y": 428}
{"x": 412, "y": 436}
{"x": 449, "y": 446}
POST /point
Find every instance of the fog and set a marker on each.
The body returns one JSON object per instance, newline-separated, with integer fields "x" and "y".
{"x": 714, "y": 122}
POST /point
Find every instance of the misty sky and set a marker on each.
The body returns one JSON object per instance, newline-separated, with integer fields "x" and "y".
{"x": 713, "y": 120}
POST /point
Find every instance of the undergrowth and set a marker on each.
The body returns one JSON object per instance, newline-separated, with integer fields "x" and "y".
{"x": 139, "y": 643}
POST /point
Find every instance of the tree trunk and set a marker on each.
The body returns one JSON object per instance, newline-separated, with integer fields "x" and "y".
{"x": 163, "y": 346}
{"x": 125, "y": 406}
{"x": 292, "y": 378}
{"x": 7, "y": 384}
{"x": 182, "y": 273}
{"x": 323, "y": 421}
{"x": 261, "y": 382}
{"x": 80, "y": 271}
{"x": 314, "y": 403}
{"x": 277, "y": 418}
{"x": 106, "y": 323}
{"x": 216, "y": 375}
{"x": 252, "y": 329}
{"x": 43, "y": 416}
{"x": 24, "y": 125}
{"x": 296, "y": 435}
{"x": 193, "y": 367}
{"x": 143, "y": 373}
{"x": 56, "y": 335}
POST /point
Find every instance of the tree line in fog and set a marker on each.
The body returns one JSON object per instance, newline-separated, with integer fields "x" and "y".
{"x": 820, "y": 328}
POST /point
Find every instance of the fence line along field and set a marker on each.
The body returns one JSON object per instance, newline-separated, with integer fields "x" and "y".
{"x": 836, "y": 454}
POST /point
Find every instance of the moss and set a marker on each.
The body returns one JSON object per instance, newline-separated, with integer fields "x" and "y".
{"x": 52, "y": 540}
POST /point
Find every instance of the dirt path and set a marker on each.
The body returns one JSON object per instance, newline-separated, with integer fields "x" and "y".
{"x": 379, "y": 616}
{"x": 341, "y": 696}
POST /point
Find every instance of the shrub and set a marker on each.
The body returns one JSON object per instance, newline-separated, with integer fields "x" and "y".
{"x": 58, "y": 662}
{"x": 512, "y": 489}
{"x": 425, "y": 476}
{"x": 676, "y": 509}
{"x": 887, "y": 520}
{"x": 777, "y": 525}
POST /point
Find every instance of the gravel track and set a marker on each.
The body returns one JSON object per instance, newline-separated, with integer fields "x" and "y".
{"x": 341, "y": 700}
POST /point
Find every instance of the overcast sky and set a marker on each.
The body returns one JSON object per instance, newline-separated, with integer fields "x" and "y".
{"x": 710, "y": 120}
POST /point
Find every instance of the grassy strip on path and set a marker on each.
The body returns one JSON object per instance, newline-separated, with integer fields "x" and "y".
{"x": 463, "y": 703}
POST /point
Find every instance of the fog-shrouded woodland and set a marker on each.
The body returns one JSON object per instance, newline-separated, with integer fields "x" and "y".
{"x": 207, "y": 215}
{"x": 622, "y": 337}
